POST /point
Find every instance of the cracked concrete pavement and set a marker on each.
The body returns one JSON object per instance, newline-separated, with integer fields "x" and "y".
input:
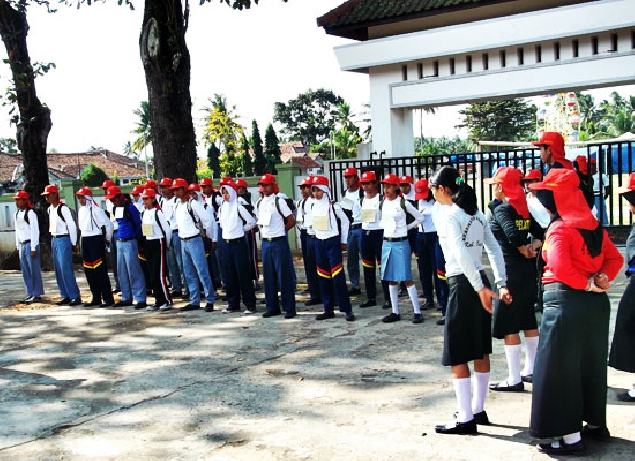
{"x": 80, "y": 383}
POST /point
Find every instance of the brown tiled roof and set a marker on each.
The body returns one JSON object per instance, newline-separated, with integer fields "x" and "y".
{"x": 67, "y": 165}
{"x": 291, "y": 149}
{"x": 352, "y": 18}
{"x": 305, "y": 162}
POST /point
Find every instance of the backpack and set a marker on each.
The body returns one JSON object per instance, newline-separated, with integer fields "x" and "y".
{"x": 197, "y": 222}
{"x": 276, "y": 200}
{"x": 26, "y": 214}
{"x": 73, "y": 216}
{"x": 402, "y": 201}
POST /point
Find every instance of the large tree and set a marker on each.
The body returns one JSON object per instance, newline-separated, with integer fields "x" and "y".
{"x": 33, "y": 119}
{"x": 510, "y": 120}
{"x": 260, "y": 162}
{"x": 310, "y": 117}
{"x": 272, "y": 149}
{"x": 248, "y": 166}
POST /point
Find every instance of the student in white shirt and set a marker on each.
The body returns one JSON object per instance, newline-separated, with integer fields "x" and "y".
{"x": 463, "y": 231}
{"x": 307, "y": 240}
{"x": 110, "y": 211}
{"x": 27, "y": 242}
{"x": 351, "y": 205}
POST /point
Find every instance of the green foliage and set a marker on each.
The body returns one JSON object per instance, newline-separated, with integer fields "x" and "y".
{"x": 213, "y": 161}
{"x": 115, "y": 177}
{"x": 143, "y": 129}
{"x": 221, "y": 127}
{"x": 444, "y": 145}
{"x": 248, "y": 167}
{"x": 93, "y": 176}
{"x": 203, "y": 173}
{"x": 272, "y": 150}
{"x": 8, "y": 145}
{"x": 310, "y": 117}
{"x": 510, "y": 120}
{"x": 260, "y": 162}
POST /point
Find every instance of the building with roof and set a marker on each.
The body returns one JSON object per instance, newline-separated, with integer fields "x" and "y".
{"x": 433, "y": 53}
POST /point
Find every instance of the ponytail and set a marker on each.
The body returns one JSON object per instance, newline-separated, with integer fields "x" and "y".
{"x": 465, "y": 198}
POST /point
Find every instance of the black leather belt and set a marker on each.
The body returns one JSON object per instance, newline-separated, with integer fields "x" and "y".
{"x": 126, "y": 239}
{"x": 60, "y": 236}
{"x": 356, "y": 226}
{"x": 273, "y": 239}
{"x": 25, "y": 242}
{"x": 395, "y": 239}
{"x": 236, "y": 240}
{"x": 190, "y": 238}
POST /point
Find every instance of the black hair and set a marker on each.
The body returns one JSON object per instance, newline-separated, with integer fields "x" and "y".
{"x": 546, "y": 198}
{"x": 462, "y": 194}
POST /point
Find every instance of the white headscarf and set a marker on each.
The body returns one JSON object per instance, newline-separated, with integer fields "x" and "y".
{"x": 325, "y": 189}
{"x": 228, "y": 213}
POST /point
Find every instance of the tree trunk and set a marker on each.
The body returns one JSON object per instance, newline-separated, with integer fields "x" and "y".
{"x": 34, "y": 121}
{"x": 166, "y": 61}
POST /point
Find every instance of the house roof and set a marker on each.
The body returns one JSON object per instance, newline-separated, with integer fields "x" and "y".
{"x": 68, "y": 165}
{"x": 353, "y": 17}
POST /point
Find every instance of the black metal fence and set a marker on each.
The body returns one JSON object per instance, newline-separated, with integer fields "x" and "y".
{"x": 614, "y": 162}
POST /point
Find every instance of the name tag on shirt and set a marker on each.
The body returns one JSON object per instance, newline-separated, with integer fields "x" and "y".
{"x": 147, "y": 229}
{"x": 119, "y": 212}
{"x": 320, "y": 223}
{"x": 369, "y": 215}
{"x": 53, "y": 222}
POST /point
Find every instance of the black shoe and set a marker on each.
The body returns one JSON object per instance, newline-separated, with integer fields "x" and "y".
{"x": 527, "y": 378}
{"x": 313, "y": 302}
{"x": 289, "y": 316}
{"x": 403, "y": 293}
{"x": 177, "y": 293}
{"x": 140, "y": 305}
{"x": 185, "y": 296}
{"x": 601, "y": 434}
{"x": 75, "y": 302}
{"x": 427, "y": 306}
{"x": 93, "y": 303}
{"x": 350, "y": 317}
{"x": 210, "y": 307}
{"x": 441, "y": 321}
{"x": 354, "y": 292}
{"x": 392, "y": 317}
{"x": 107, "y": 304}
{"x": 266, "y": 315}
{"x": 387, "y": 305}
{"x": 368, "y": 303}
{"x": 231, "y": 309}
{"x": 63, "y": 302}
{"x": 417, "y": 318}
{"x": 189, "y": 307}
{"x": 563, "y": 448}
{"x": 465, "y": 428}
{"x": 123, "y": 304}
{"x": 505, "y": 386}
{"x": 262, "y": 301}
{"x": 625, "y": 397}
{"x": 116, "y": 291}
{"x": 325, "y": 316}
{"x": 481, "y": 418}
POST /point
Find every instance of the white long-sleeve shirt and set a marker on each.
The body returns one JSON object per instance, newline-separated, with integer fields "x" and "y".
{"x": 186, "y": 225}
{"x": 59, "y": 227}
{"x": 371, "y": 204}
{"x": 393, "y": 218}
{"x": 91, "y": 219}
{"x": 357, "y": 210}
{"x": 325, "y": 208}
{"x": 462, "y": 238}
{"x": 427, "y": 209}
{"x": 239, "y": 227}
{"x": 24, "y": 231}
{"x": 149, "y": 218}
{"x": 167, "y": 206}
{"x": 269, "y": 219}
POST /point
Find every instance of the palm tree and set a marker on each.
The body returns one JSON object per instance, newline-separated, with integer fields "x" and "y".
{"x": 143, "y": 130}
{"x": 127, "y": 149}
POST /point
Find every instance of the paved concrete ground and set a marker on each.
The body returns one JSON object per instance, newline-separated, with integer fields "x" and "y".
{"x": 80, "y": 383}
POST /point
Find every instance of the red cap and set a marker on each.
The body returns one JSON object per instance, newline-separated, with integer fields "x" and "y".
{"x": 267, "y": 179}
{"x": 112, "y": 192}
{"x": 240, "y": 182}
{"x": 509, "y": 178}
{"x": 627, "y": 187}
{"x": 149, "y": 193}
{"x": 406, "y": 180}
{"x": 227, "y": 181}
{"x": 583, "y": 166}
{"x": 50, "y": 189}
{"x": 350, "y": 172}
{"x": 558, "y": 179}
{"x": 368, "y": 176}
{"x": 107, "y": 183}
{"x": 422, "y": 190}
{"x": 320, "y": 181}
{"x": 505, "y": 176}
{"x": 206, "y": 182}
{"x": 166, "y": 182}
{"x": 194, "y": 187}
{"x": 391, "y": 179}
{"x": 151, "y": 183}
{"x": 21, "y": 194}
{"x": 179, "y": 182}
{"x": 555, "y": 141}
{"x": 84, "y": 191}
{"x": 532, "y": 174}
{"x": 306, "y": 181}
{"x": 137, "y": 190}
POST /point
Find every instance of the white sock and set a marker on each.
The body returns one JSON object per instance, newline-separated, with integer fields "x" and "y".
{"x": 513, "y": 363}
{"x": 481, "y": 382}
{"x": 571, "y": 438}
{"x": 531, "y": 345}
{"x": 463, "y": 390}
{"x": 394, "y": 297}
{"x": 412, "y": 292}
{"x": 632, "y": 392}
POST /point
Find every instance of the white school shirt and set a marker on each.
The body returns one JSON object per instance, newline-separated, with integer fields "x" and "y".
{"x": 596, "y": 183}
{"x": 269, "y": 219}
{"x": 149, "y": 217}
{"x": 462, "y": 238}
{"x": 24, "y": 231}
{"x": 371, "y": 204}
{"x": 303, "y": 209}
{"x": 538, "y": 211}
{"x": 239, "y": 228}
{"x": 324, "y": 207}
{"x": 167, "y": 207}
{"x": 66, "y": 227}
{"x": 427, "y": 208}
{"x": 393, "y": 218}
{"x": 185, "y": 224}
{"x": 110, "y": 208}
{"x": 91, "y": 219}
{"x": 357, "y": 210}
